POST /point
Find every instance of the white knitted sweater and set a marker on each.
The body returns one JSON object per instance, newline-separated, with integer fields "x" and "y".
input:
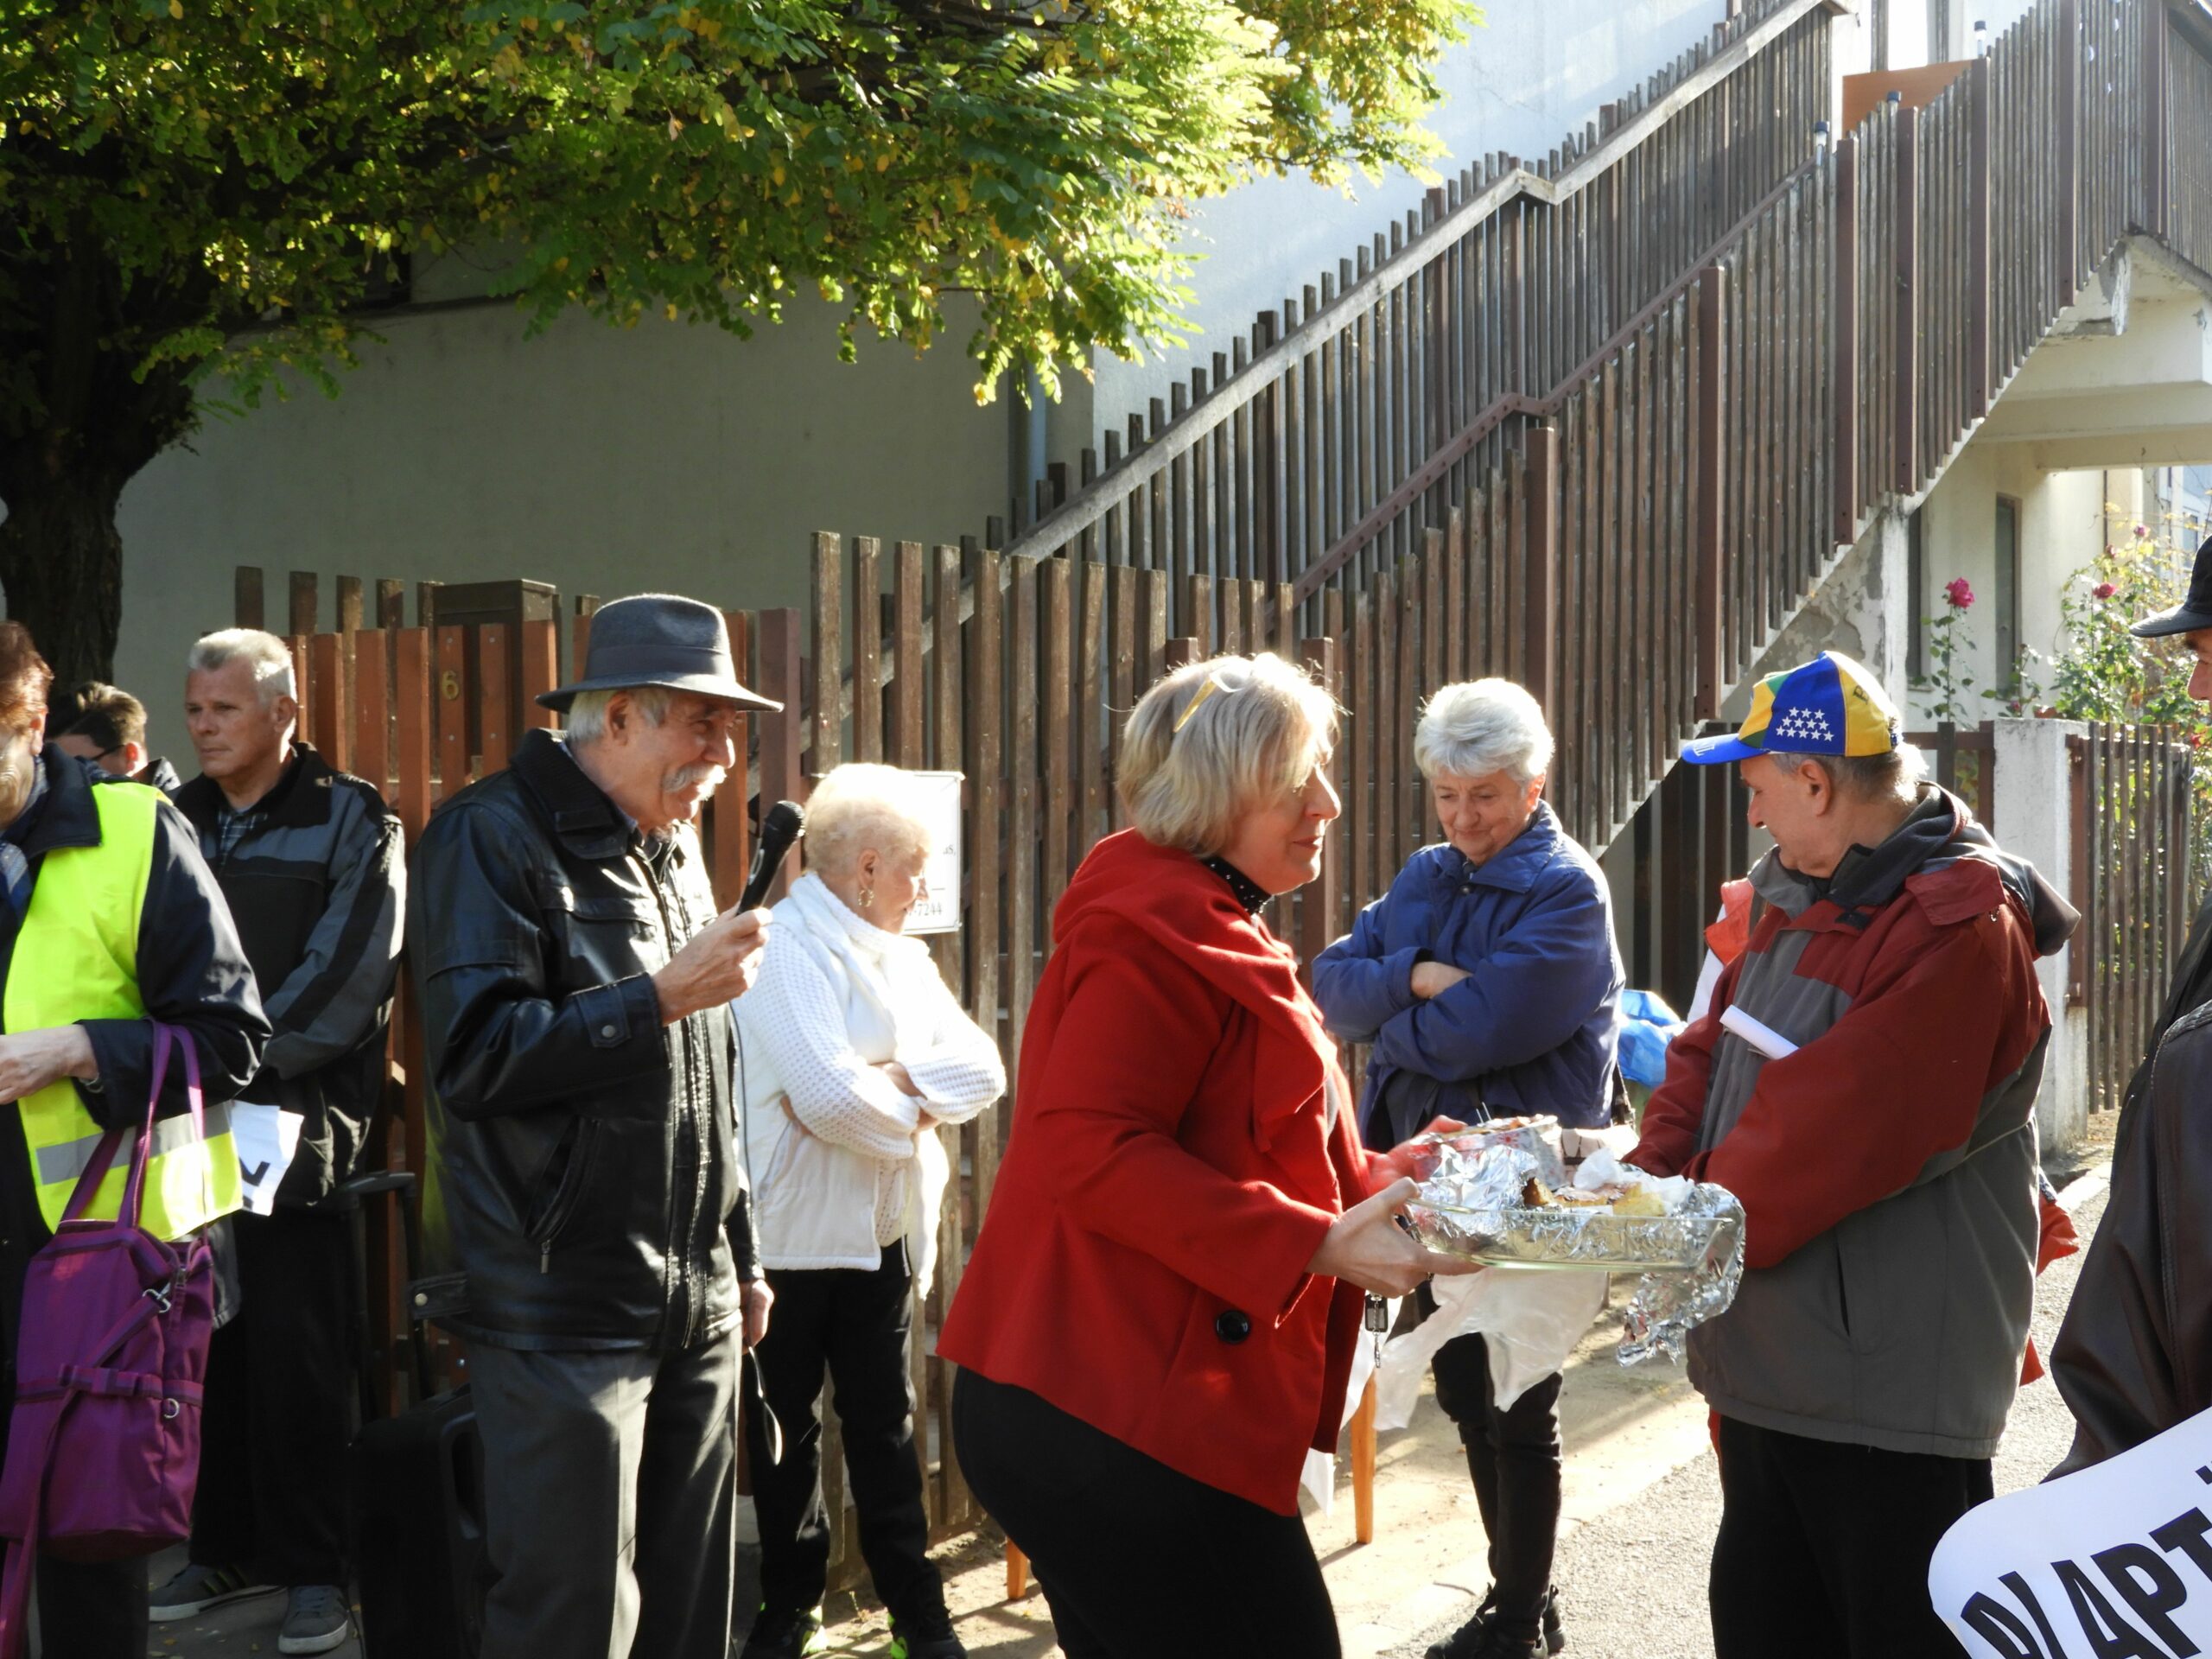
{"x": 840, "y": 1167}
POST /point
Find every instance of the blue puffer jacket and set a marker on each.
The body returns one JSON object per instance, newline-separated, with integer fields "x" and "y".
{"x": 1532, "y": 1025}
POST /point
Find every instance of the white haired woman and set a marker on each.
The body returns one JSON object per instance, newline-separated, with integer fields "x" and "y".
{"x": 1485, "y": 981}
{"x": 854, "y": 1052}
{"x": 1160, "y": 1314}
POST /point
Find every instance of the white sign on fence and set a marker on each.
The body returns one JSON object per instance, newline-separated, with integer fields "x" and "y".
{"x": 940, "y": 911}
{"x": 2115, "y": 1560}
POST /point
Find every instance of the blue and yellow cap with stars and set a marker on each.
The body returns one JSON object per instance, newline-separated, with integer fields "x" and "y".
{"x": 1828, "y": 706}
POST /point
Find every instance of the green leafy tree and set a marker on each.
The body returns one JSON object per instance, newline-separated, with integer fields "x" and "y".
{"x": 200, "y": 200}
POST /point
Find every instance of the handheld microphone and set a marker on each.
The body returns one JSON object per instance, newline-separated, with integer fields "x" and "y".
{"x": 785, "y": 823}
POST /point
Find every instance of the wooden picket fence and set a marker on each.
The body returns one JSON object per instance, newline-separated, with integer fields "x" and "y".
{"x": 2134, "y": 857}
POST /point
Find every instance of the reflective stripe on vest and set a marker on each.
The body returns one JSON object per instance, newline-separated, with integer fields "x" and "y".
{"x": 76, "y": 958}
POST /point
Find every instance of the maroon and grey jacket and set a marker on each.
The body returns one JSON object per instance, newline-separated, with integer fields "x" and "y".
{"x": 1887, "y": 1168}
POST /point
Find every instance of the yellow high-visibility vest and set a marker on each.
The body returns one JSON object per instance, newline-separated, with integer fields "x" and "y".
{"x": 76, "y": 958}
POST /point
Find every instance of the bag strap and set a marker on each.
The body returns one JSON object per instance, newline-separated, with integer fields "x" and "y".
{"x": 96, "y": 1168}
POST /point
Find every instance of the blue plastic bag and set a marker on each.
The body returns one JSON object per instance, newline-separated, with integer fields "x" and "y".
{"x": 1647, "y": 1025}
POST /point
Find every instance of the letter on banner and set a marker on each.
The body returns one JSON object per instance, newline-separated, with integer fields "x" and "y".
{"x": 2112, "y": 1563}
{"x": 266, "y": 1137}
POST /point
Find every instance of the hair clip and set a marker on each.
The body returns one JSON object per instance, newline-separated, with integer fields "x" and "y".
{"x": 1207, "y": 691}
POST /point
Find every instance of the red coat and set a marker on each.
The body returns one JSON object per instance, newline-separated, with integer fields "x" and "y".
{"x": 1169, "y": 1176}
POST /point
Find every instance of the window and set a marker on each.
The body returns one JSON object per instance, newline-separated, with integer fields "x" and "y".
{"x": 2005, "y": 593}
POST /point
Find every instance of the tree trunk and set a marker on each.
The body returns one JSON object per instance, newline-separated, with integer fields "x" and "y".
{"x": 61, "y": 569}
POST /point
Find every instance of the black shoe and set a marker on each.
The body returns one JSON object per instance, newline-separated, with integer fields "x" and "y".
{"x": 1468, "y": 1642}
{"x": 785, "y": 1635}
{"x": 1481, "y": 1638}
{"x": 926, "y": 1635}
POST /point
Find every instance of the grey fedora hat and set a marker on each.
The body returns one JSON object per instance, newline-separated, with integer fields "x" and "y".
{"x": 659, "y": 640}
{"x": 2194, "y": 611}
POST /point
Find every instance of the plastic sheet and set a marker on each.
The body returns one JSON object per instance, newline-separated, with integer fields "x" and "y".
{"x": 1532, "y": 1321}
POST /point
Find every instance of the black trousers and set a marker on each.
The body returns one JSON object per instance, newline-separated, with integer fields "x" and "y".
{"x": 1513, "y": 1457}
{"x": 1823, "y": 1548}
{"x": 280, "y": 1382}
{"x": 95, "y": 1611}
{"x": 853, "y": 1325}
{"x": 1137, "y": 1560}
{"x": 610, "y": 1496}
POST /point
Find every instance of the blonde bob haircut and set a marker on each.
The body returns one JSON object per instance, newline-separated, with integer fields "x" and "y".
{"x": 1215, "y": 740}
{"x": 860, "y": 806}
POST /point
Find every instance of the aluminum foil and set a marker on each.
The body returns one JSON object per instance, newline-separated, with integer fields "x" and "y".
{"x": 1471, "y": 1205}
{"x": 1665, "y": 1306}
{"x": 1537, "y": 1136}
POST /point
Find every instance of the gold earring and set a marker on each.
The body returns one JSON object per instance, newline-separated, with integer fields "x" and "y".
{"x": 868, "y": 896}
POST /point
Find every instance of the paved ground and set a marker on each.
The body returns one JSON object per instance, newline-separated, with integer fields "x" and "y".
{"x": 1642, "y": 1504}
{"x": 1634, "y": 1579}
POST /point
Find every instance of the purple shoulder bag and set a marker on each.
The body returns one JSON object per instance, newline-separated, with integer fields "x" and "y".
{"x": 103, "y": 1446}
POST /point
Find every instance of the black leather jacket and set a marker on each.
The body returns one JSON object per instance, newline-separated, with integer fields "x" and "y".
{"x": 583, "y": 1188}
{"x": 2134, "y": 1356}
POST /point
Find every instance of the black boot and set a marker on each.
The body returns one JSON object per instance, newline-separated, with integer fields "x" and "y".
{"x": 1480, "y": 1638}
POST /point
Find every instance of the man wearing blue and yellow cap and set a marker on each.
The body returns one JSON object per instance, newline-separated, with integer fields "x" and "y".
{"x": 1865, "y": 1081}
{"x": 2131, "y": 1357}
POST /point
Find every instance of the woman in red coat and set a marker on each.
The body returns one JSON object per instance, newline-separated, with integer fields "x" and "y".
{"x": 1159, "y": 1316}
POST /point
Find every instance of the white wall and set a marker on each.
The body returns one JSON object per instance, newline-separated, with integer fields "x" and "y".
{"x": 2034, "y": 816}
{"x": 2063, "y": 527}
{"x": 601, "y": 460}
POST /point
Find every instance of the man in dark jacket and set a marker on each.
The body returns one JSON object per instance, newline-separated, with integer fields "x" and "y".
{"x": 109, "y": 921}
{"x": 309, "y": 860}
{"x": 1865, "y": 1082}
{"x": 2134, "y": 1356}
{"x": 110, "y": 731}
{"x": 586, "y": 1197}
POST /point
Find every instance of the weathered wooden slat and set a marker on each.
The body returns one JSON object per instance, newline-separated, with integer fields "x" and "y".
{"x": 372, "y": 736}
{"x": 246, "y": 597}
{"x": 730, "y": 844}
{"x": 1059, "y": 800}
{"x": 411, "y": 730}
{"x": 910, "y": 674}
{"x": 867, "y": 649}
{"x": 540, "y": 644}
{"x": 331, "y": 730}
{"x": 826, "y": 738}
{"x": 494, "y": 690}
{"x": 305, "y": 609}
{"x": 451, "y": 711}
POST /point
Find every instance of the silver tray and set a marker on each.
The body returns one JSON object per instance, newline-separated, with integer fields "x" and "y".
{"x": 1579, "y": 1240}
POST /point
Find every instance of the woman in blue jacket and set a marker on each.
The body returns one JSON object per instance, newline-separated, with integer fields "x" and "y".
{"x": 1484, "y": 983}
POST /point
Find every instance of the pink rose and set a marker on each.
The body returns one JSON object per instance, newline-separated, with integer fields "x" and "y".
{"x": 2142, "y": 533}
{"x": 2104, "y": 590}
{"x": 1957, "y": 594}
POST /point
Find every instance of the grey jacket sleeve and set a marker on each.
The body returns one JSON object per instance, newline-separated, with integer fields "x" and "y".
{"x": 337, "y": 993}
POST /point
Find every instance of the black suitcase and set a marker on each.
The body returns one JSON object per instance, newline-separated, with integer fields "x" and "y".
{"x": 415, "y": 1485}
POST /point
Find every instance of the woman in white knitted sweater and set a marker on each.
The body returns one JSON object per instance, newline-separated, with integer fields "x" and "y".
{"x": 853, "y": 1053}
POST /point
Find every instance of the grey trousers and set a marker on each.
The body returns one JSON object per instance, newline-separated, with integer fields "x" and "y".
{"x": 610, "y": 1484}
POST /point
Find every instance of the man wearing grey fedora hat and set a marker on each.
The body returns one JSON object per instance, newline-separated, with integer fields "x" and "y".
{"x": 585, "y": 1209}
{"x": 2131, "y": 1359}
